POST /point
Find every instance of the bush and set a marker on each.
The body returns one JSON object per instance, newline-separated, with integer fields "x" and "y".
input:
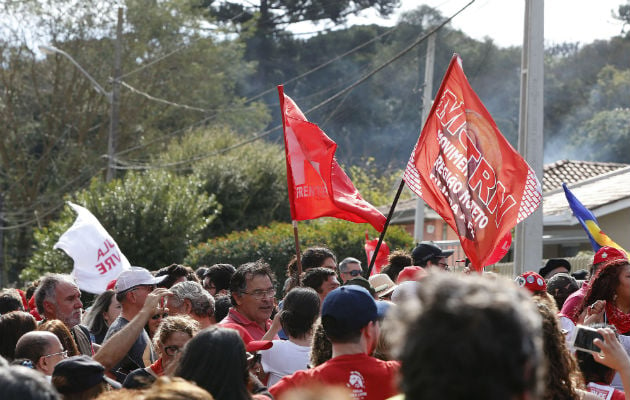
{"x": 153, "y": 216}
{"x": 275, "y": 243}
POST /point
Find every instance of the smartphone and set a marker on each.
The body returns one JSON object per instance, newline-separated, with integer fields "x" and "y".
{"x": 583, "y": 339}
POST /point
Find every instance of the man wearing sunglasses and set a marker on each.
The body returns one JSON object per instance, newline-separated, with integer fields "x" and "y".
{"x": 132, "y": 288}
{"x": 428, "y": 255}
{"x": 349, "y": 268}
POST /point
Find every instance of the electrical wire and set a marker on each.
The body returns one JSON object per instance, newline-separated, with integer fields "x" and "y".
{"x": 130, "y": 165}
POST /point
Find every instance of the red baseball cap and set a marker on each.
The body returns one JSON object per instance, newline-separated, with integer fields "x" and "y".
{"x": 412, "y": 273}
{"x": 531, "y": 281}
{"x": 608, "y": 254}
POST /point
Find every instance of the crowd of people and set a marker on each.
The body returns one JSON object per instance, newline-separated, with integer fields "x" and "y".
{"x": 416, "y": 331}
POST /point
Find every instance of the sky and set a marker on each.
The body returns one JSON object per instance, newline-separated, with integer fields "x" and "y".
{"x": 502, "y": 20}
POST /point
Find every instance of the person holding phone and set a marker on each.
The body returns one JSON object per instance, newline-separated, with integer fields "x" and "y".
{"x": 608, "y": 297}
{"x": 597, "y": 376}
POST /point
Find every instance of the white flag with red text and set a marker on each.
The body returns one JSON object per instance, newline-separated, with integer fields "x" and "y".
{"x": 97, "y": 258}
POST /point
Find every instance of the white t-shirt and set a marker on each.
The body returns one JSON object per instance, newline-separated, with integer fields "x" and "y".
{"x": 284, "y": 358}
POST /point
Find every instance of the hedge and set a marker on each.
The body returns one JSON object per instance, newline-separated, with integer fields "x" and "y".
{"x": 275, "y": 243}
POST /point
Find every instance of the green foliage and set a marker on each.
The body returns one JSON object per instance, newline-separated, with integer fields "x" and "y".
{"x": 249, "y": 183}
{"x": 376, "y": 186}
{"x": 606, "y": 136}
{"x": 275, "y": 243}
{"x": 154, "y": 217}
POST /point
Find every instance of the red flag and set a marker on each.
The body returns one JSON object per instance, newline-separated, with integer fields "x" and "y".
{"x": 318, "y": 187}
{"x": 501, "y": 250}
{"x": 381, "y": 257}
{"x": 465, "y": 170}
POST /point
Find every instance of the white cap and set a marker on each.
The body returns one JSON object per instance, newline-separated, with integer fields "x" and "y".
{"x": 136, "y": 276}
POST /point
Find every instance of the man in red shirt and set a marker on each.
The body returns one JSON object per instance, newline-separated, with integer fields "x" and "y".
{"x": 252, "y": 290}
{"x": 349, "y": 316}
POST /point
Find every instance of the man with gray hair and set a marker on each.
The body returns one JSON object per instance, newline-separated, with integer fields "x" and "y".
{"x": 349, "y": 268}
{"x": 58, "y": 297}
{"x": 190, "y": 298}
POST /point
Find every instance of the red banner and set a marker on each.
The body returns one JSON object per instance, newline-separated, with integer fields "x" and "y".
{"x": 318, "y": 187}
{"x": 381, "y": 257}
{"x": 465, "y": 170}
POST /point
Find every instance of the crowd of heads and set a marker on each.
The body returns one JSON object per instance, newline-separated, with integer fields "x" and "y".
{"x": 448, "y": 335}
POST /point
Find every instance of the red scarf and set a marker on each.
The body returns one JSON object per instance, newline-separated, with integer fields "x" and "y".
{"x": 618, "y": 318}
{"x": 157, "y": 368}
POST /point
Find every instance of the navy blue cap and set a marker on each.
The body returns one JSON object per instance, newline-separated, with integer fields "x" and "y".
{"x": 351, "y": 305}
{"x": 80, "y": 373}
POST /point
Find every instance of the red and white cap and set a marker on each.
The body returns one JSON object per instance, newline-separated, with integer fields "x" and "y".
{"x": 531, "y": 281}
{"x": 607, "y": 254}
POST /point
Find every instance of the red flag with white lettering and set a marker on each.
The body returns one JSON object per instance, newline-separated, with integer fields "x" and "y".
{"x": 465, "y": 170}
{"x": 318, "y": 187}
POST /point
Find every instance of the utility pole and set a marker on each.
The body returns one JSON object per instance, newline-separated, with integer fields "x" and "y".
{"x": 3, "y": 265}
{"x": 112, "y": 139}
{"x": 528, "y": 249}
{"x": 418, "y": 223}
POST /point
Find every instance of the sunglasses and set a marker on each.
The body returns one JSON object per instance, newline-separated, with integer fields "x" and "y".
{"x": 354, "y": 273}
{"x": 158, "y": 316}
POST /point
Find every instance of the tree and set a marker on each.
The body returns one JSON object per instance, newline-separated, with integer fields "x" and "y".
{"x": 604, "y": 137}
{"x": 269, "y": 18}
{"x": 249, "y": 182}
{"x": 153, "y": 216}
{"x": 55, "y": 126}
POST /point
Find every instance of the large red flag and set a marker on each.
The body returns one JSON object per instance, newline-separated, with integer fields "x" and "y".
{"x": 318, "y": 187}
{"x": 465, "y": 170}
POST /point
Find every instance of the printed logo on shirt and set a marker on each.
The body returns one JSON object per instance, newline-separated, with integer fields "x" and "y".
{"x": 356, "y": 383}
{"x": 601, "y": 391}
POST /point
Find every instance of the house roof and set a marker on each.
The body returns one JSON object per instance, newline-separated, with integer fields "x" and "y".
{"x": 601, "y": 194}
{"x": 571, "y": 171}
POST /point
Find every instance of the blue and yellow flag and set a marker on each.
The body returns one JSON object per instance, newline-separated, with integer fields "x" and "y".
{"x": 589, "y": 222}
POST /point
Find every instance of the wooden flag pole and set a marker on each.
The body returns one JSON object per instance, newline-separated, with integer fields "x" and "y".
{"x": 389, "y": 217}
{"x": 298, "y": 254}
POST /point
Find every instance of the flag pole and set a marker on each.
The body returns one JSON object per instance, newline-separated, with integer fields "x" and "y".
{"x": 389, "y": 217}
{"x": 298, "y": 254}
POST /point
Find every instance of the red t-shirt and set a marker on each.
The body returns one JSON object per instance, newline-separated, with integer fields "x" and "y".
{"x": 367, "y": 378}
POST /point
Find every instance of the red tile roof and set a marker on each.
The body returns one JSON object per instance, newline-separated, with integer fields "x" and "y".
{"x": 571, "y": 171}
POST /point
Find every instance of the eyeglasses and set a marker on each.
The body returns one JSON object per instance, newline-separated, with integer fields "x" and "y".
{"x": 172, "y": 350}
{"x": 158, "y": 316}
{"x": 259, "y": 294}
{"x": 150, "y": 288}
{"x": 354, "y": 273}
{"x": 63, "y": 354}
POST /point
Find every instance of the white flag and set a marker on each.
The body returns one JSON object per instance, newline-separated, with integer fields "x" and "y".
{"x": 97, "y": 258}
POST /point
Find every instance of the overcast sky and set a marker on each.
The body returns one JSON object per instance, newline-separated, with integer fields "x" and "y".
{"x": 502, "y": 20}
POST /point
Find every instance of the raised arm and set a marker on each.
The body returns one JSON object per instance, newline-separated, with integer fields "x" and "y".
{"x": 119, "y": 344}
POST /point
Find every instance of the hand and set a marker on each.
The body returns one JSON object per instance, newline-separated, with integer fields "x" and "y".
{"x": 612, "y": 353}
{"x": 154, "y": 299}
{"x": 595, "y": 313}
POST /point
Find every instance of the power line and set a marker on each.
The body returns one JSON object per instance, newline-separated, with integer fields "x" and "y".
{"x": 231, "y": 108}
{"x": 130, "y": 165}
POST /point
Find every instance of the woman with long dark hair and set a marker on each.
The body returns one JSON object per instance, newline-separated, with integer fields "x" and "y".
{"x": 215, "y": 360}
{"x": 611, "y": 284}
{"x": 102, "y": 313}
